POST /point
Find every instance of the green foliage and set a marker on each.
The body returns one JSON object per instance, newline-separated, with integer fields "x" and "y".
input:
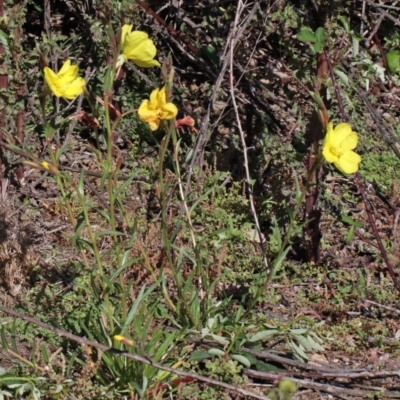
{"x": 11, "y": 385}
{"x": 285, "y": 391}
{"x": 381, "y": 169}
{"x": 299, "y": 339}
{"x": 165, "y": 261}
{"x": 393, "y": 61}
{"x": 317, "y": 38}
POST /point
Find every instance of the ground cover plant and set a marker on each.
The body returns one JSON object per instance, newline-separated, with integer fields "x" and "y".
{"x": 199, "y": 199}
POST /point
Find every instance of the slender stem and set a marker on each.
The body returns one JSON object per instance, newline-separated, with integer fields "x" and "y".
{"x": 93, "y": 239}
{"x": 164, "y": 225}
{"x": 296, "y": 211}
{"x": 111, "y": 199}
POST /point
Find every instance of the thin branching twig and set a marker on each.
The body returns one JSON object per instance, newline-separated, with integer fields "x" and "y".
{"x": 237, "y": 31}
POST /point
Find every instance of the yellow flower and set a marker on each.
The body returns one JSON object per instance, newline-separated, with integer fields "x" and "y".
{"x": 45, "y": 165}
{"x": 48, "y": 167}
{"x": 338, "y": 146}
{"x": 66, "y": 83}
{"x": 137, "y": 47}
{"x": 154, "y": 110}
{"x": 123, "y": 340}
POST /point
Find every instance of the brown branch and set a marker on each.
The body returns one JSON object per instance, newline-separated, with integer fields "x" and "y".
{"x": 371, "y": 220}
{"x": 389, "y": 137}
{"x": 3, "y": 85}
{"x": 312, "y": 229}
{"x": 318, "y": 371}
{"x": 336, "y": 87}
{"x": 142, "y": 359}
{"x": 19, "y": 75}
{"x": 396, "y": 310}
{"x": 335, "y": 390}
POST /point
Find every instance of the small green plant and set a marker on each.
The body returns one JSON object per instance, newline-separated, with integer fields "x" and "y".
{"x": 393, "y": 61}
{"x": 285, "y": 391}
{"x": 12, "y": 385}
{"x": 299, "y": 340}
{"x": 317, "y": 38}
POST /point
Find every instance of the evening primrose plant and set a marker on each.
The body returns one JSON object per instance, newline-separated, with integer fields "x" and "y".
{"x": 111, "y": 292}
{"x": 189, "y": 299}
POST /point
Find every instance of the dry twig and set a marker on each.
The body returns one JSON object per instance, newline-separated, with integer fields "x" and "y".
{"x": 325, "y": 387}
{"x": 237, "y": 32}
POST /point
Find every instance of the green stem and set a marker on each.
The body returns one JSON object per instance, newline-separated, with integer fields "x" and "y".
{"x": 111, "y": 199}
{"x": 164, "y": 225}
{"x": 93, "y": 239}
{"x": 297, "y": 211}
{"x": 289, "y": 231}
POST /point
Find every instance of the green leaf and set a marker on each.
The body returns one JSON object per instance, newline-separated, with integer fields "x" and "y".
{"x": 298, "y": 350}
{"x": 342, "y": 76}
{"x": 318, "y": 46}
{"x": 199, "y": 355}
{"x": 306, "y": 35}
{"x": 350, "y": 234}
{"x": 302, "y": 340}
{"x": 393, "y": 61}
{"x": 108, "y": 80}
{"x": 267, "y": 367}
{"x": 209, "y": 53}
{"x": 298, "y": 331}
{"x": 348, "y": 220}
{"x": 356, "y": 44}
{"x": 315, "y": 345}
{"x": 242, "y": 359}
{"x": 216, "y": 352}
{"x": 4, "y": 42}
{"x": 263, "y": 335}
{"x": 321, "y": 35}
{"x": 221, "y": 340}
{"x": 345, "y": 22}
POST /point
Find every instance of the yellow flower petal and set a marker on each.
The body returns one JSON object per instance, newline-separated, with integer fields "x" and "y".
{"x": 144, "y": 111}
{"x": 340, "y": 133}
{"x": 162, "y": 95}
{"x": 66, "y": 82}
{"x": 154, "y": 102}
{"x": 137, "y": 47}
{"x": 345, "y": 137}
{"x": 66, "y": 66}
{"x": 154, "y": 110}
{"x": 126, "y": 30}
{"x": 154, "y": 124}
{"x": 169, "y": 111}
{"x": 74, "y": 89}
{"x": 51, "y": 79}
{"x": 338, "y": 145}
{"x": 328, "y": 155}
{"x": 124, "y": 340}
{"x": 348, "y": 162}
{"x": 45, "y": 165}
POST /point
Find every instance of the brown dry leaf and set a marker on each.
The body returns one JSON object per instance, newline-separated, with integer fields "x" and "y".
{"x": 219, "y": 106}
{"x": 318, "y": 360}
